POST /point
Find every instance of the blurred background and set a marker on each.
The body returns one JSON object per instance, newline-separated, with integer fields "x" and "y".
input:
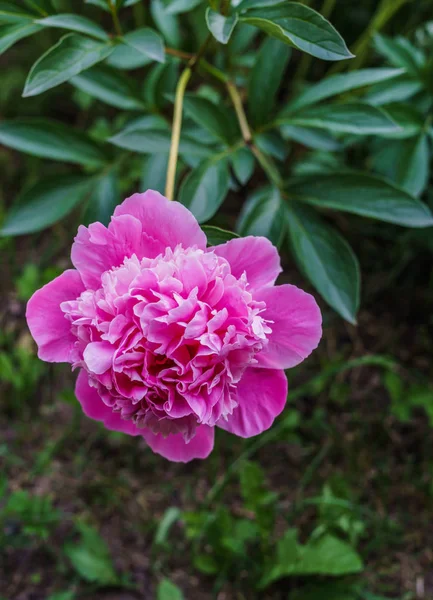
{"x": 88, "y": 513}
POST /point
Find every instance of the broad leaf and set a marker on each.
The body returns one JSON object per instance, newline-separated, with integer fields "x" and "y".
{"x": 166, "y": 22}
{"x": 399, "y": 53}
{"x": 327, "y": 555}
{"x": 243, "y": 164}
{"x": 124, "y": 57}
{"x": 168, "y": 591}
{"x": 103, "y": 200}
{"x": 301, "y": 27}
{"x": 216, "y": 235}
{"x": 75, "y": 23}
{"x": 220, "y": 26}
{"x": 319, "y": 140}
{"x": 205, "y": 188}
{"x": 91, "y": 558}
{"x": 325, "y": 258}
{"x": 265, "y": 79}
{"x": 154, "y": 172}
{"x": 50, "y": 139}
{"x": 181, "y": 6}
{"x": 100, "y": 3}
{"x": 10, "y": 13}
{"x": 209, "y": 116}
{"x": 152, "y": 137}
{"x": 399, "y": 89}
{"x": 408, "y": 118}
{"x": 364, "y": 195}
{"x": 147, "y": 42}
{"x": 12, "y": 33}
{"x": 109, "y": 86}
{"x": 263, "y": 214}
{"x": 413, "y": 165}
{"x": 69, "y": 57}
{"x": 340, "y": 84}
{"x": 46, "y": 203}
{"x": 356, "y": 118}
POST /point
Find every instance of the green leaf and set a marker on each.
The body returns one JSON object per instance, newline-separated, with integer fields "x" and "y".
{"x": 166, "y": 22}
{"x": 125, "y": 58}
{"x": 399, "y": 53}
{"x": 69, "y": 57}
{"x": 146, "y": 41}
{"x": 153, "y": 174}
{"x": 181, "y": 6}
{"x": 300, "y": 27}
{"x": 170, "y": 517}
{"x": 263, "y": 214}
{"x": 399, "y": 89}
{"x": 206, "y": 564}
{"x": 168, "y": 591}
{"x": 151, "y": 137}
{"x": 319, "y": 140}
{"x": 75, "y": 23}
{"x": 413, "y": 165}
{"x": 265, "y": 79}
{"x": 10, "y": 13}
{"x": 109, "y": 86}
{"x": 208, "y": 115}
{"x": 103, "y": 200}
{"x": 327, "y": 555}
{"x": 50, "y": 139}
{"x": 62, "y": 596}
{"x": 243, "y": 164}
{"x": 340, "y": 84}
{"x": 45, "y": 203}
{"x": 362, "y": 194}
{"x": 204, "y": 189}
{"x": 325, "y": 258}
{"x": 408, "y": 118}
{"x": 91, "y": 558}
{"x": 221, "y": 27}
{"x": 356, "y": 118}
{"x": 99, "y": 3}
{"x": 216, "y": 235}
{"x": 10, "y": 34}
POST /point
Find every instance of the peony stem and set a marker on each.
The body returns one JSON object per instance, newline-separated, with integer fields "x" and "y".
{"x": 175, "y": 134}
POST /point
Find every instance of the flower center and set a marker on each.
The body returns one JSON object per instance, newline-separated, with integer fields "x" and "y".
{"x": 166, "y": 340}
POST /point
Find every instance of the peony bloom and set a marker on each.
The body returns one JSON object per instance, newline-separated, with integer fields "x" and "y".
{"x": 172, "y": 338}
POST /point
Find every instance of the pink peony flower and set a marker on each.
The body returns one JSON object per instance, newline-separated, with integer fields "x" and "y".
{"x": 172, "y": 338}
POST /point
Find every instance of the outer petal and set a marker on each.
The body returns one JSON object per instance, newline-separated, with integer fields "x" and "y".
{"x": 46, "y": 321}
{"x": 94, "y": 407}
{"x": 169, "y": 222}
{"x": 296, "y": 327}
{"x": 261, "y": 396}
{"x": 97, "y": 248}
{"x": 254, "y": 255}
{"x": 175, "y": 449}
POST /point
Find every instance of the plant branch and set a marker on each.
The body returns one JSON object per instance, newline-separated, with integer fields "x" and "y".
{"x": 115, "y": 17}
{"x": 265, "y": 161}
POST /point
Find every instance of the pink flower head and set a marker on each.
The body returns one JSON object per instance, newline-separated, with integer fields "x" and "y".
{"x": 172, "y": 338}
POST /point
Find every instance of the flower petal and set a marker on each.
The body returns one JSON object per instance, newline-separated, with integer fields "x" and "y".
{"x": 255, "y": 256}
{"x": 94, "y": 407}
{"x": 296, "y": 326}
{"x": 168, "y": 222}
{"x": 97, "y": 249}
{"x": 261, "y": 395}
{"x": 47, "y": 322}
{"x": 175, "y": 448}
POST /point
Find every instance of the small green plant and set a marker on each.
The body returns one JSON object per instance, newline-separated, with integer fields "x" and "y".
{"x": 25, "y": 517}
